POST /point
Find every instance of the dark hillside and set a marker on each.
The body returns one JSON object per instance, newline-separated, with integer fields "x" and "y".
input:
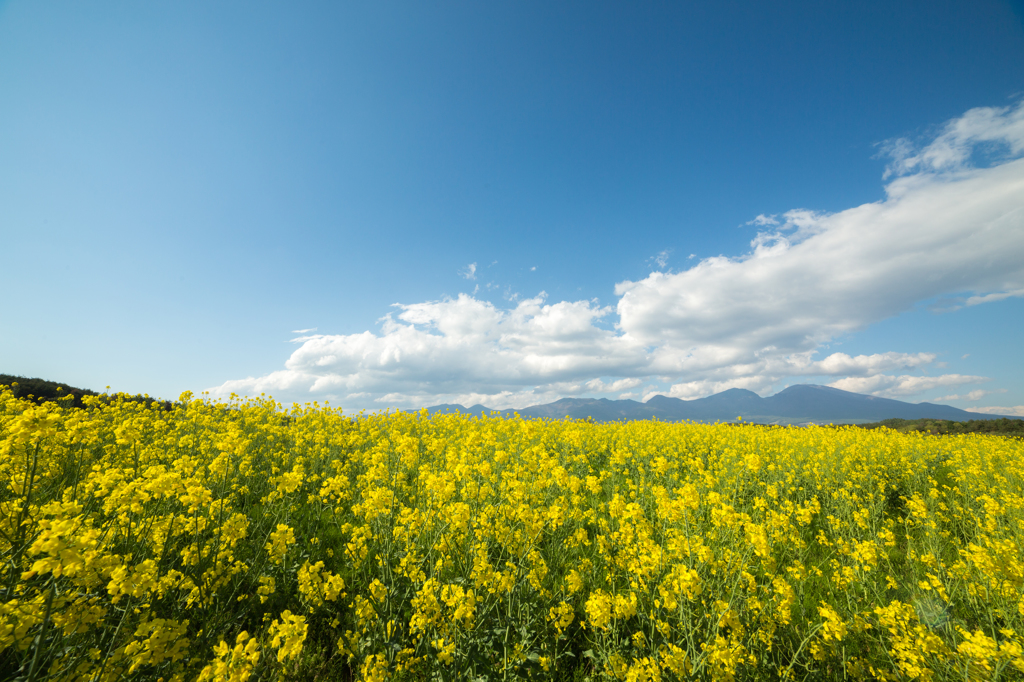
{"x": 42, "y": 391}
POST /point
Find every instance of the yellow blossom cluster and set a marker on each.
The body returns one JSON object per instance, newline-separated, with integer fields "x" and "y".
{"x": 241, "y": 541}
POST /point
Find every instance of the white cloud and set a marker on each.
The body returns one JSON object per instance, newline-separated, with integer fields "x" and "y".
{"x": 765, "y": 370}
{"x": 973, "y": 395}
{"x": 598, "y": 386}
{"x": 888, "y": 386}
{"x": 762, "y": 220}
{"x": 1016, "y": 411}
{"x": 944, "y": 229}
{"x": 992, "y": 298}
{"x": 303, "y": 331}
{"x": 697, "y": 389}
{"x": 819, "y": 276}
{"x": 462, "y": 348}
{"x": 981, "y": 129}
{"x": 860, "y": 365}
{"x": 661, "y": 259}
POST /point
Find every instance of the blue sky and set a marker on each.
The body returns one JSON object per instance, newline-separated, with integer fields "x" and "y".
{"x": 398, "y": 204}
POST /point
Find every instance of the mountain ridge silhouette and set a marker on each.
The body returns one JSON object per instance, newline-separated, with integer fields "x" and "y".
{"x": 798, "y": 404}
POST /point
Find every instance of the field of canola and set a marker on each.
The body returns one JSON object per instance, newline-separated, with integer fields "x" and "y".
{"x": 240, "y": 541}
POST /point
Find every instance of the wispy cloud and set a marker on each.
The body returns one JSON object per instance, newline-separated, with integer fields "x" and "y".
{"x": 660, "y": 259}
{"x": 888, "y": 386}
{"x": 992, "y": 298}
{"x": 763, "y": 220}
{"x": 985, "y": 129}
{"x": 973, "y": 395}
{"x": 944, "y": 229}
{"x": 1016, "y": 411}
{"x": 303, "y": 331}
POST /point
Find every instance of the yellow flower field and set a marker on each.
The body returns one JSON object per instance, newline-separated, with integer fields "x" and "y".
{"x": 241, "y": 541}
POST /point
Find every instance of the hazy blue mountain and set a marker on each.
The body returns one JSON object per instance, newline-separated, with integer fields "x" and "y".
{"x": 448, "y": 407}
{"x": 799, "y": 404}
{"x": 818, "y": 403}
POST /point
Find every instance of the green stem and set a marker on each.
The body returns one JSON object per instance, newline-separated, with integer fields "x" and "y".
{"x": 42, "y": 631}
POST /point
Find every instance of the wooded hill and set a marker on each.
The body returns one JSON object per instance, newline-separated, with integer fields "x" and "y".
{"x": 41, "y": 390}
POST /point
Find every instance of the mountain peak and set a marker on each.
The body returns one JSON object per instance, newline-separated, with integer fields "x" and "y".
{"x": 818, "y": 391}
{"x": 736, "y": 391}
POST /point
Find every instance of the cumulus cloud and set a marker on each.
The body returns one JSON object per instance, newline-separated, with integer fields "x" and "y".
{"x": 945, "y": 228}
{"x": 462, "y": 348}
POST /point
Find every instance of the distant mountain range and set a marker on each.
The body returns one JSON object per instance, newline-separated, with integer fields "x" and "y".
{"x": 801, "y": 404}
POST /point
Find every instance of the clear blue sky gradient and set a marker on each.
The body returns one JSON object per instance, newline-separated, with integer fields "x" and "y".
{"x": 183, "y": 184}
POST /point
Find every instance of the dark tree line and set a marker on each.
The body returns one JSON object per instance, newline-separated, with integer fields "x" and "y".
{"x": 1004, "y": 426}
{"x": 41, "y": 391}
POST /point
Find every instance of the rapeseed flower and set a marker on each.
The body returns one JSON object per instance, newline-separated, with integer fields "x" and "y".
{"x": 176, "y": 544}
